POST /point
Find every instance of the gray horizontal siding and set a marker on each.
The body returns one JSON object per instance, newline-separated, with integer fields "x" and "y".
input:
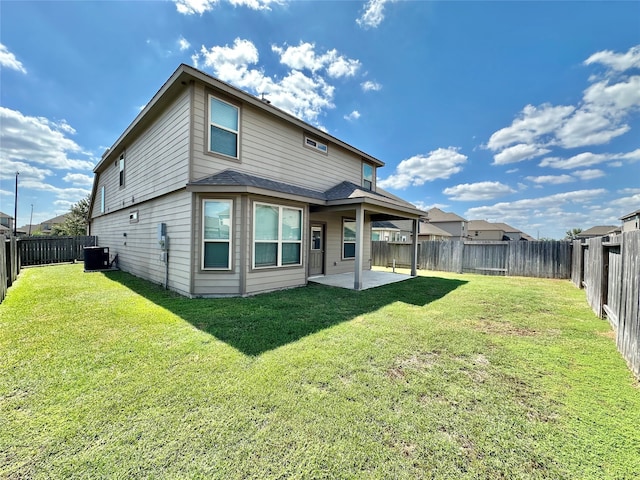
{"x": 272, "y": 148}
{"x": 156, "y": 162}
{"x": 138, "y": 252}
{"x": 333, "y": 242}
{"x": 210, "y": 282}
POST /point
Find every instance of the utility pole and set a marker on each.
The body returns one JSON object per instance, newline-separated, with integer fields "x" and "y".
{"x": 15, "y": 209}
{"x": 31, "y": 219}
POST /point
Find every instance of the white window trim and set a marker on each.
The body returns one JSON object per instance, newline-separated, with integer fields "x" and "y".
{"x": 102, "y": 199}
{"x": 121, "y": 167}
{"x": 279, "y": 241}
{"x": 314, "y": 144}
{"x": 342, "y": 244}
{"x": 373, "y": 176}
{"x": 229, "y": 241}
{"x": 209, "y": 123}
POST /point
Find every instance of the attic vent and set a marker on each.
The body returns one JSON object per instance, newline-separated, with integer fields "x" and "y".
{"x": 309, "y": 142}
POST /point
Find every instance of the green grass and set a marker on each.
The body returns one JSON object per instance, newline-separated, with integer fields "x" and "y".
{"x": 443, "y": 376}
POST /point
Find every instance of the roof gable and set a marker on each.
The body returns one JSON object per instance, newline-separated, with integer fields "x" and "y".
{"x": 180, "y": 79}
{"x": 436, "y": 215}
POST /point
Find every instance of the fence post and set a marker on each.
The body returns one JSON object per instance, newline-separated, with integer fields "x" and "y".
{"x": 604, "y": 279}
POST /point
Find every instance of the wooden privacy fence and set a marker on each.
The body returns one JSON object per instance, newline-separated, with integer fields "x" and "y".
{"x": 9, "y": 265}
{"x": 609, "y": 270}
{"x": 542, "y": 259}
{"x": 46, "y": 250}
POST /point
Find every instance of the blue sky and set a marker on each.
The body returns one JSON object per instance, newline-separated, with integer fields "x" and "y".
{"x": 520, "y": 112}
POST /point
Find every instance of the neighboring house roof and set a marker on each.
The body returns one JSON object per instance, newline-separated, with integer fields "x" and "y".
{"x": 597, "y": 231}
{"x": 507, "y": 228}
{"x": 483, "y": 225}
{"x": 56, "y": 220}
{"x": 383, "y": 224}
{"x": 631, "y": 215}
{"x": 2, "y": 214}
{"x": 431, "y": 229}
{"x": 436, "y": 215}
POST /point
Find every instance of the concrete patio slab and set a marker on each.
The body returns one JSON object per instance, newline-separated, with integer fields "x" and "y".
{"x": 370, "y": 279}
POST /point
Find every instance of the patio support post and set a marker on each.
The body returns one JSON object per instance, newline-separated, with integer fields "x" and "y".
{"x": 357, "y": 275}
{"x": 414, "y": 247}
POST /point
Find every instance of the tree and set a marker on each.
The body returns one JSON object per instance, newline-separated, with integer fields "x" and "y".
{"x": 76, "y": 222}
{"x": 573, "y": 233}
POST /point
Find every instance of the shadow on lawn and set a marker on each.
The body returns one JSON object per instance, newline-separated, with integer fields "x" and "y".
{"x": 263, "y": 322}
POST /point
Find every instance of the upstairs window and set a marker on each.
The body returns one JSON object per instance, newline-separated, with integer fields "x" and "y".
{"x": 316, "y": 145}
{"x": 367, "y": 176}
{"x": 223, "y": 127}
{"x": 121, "y": 167}
{"x": 102, "y": 199}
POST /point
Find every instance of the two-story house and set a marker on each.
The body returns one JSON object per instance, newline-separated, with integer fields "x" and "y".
{"x": 213, "y": 191}
{"x": 6, "y": 225}
{"x": 631, "y": 221}
{"x": 450, "y": 222}
{"x": 483, "y": 230}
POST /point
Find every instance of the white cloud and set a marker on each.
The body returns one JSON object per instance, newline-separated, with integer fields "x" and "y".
{"x": 9, "y": 60}
{"x": 629, "y": 191}
{"x": 518, "y": 153}
{"x": 304, "y": 57}
{"x": 192, "y": 7}
{"x": 587, "y": 159}
{"x": 552, "y": 179}
{"x": 256, "y": 4}
{"x": 440, "y": 163}
{"x": 557, "y": 213}
{"x": 373, "y": 13}
{"x": 39, "y": 140}
{"x": 588, "y": 174}
{"x": 588, "y": 127}
{"x": 304, "y": 91}
{"x": 183, "y": 43}
{"x": 370, "y": 86}
{"x": 619, "y": 62}
{"x": 26, "y": 170}
{"x": 531, "y": 124}
{"x": 478, "y": 191}
{"x": 352, "y": 116}
{"x": 78, "y": 179}
{"x": 618, "y": 96}
{"x": 598, "y": 118}
{"x": 71, "y": 194}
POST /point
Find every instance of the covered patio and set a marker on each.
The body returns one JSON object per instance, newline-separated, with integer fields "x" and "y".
{"x": 370, "y": 279}
{"x": 364, "y": 207}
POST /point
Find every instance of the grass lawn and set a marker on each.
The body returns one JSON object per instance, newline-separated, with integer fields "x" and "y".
{"x": 442, "y": 376}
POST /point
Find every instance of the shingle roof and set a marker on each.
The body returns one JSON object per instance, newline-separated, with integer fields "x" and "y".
{"x": 231, "y": 177}
{"x": 507, "y": 228}
{"x": 384, "y": 224}
{"x": 483, "y": 225}
{"x": 342, "y": 191}
{"x": 630, "y": 215}
{"x": 598, "y": 230}
{"x": 436, "y": 215}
